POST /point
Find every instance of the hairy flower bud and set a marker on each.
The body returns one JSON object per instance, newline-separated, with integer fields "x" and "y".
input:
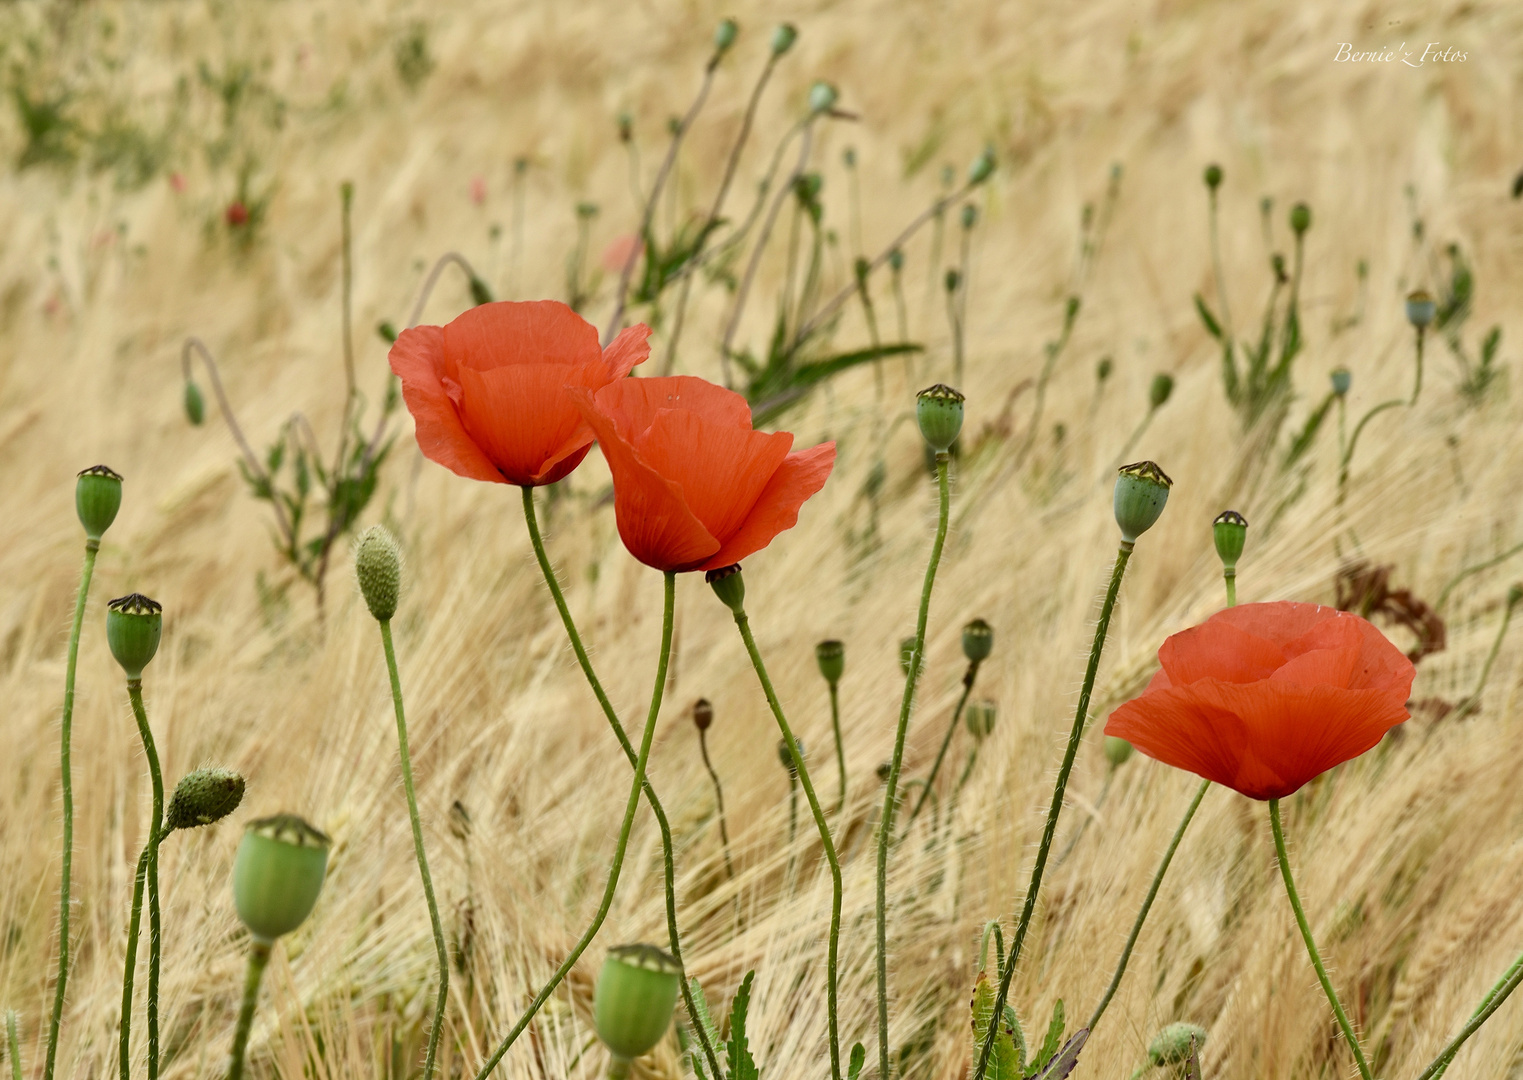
{"x": 134, "y": 625}
{"x": 729, "y": 586}
{"x": 1213, "y": 176}
{"x": 195, "y": 405}
{"x": 1117, "y": 751}
{"x": 977, "y": 641}
{"x": 1162, "y": 386}
{"x": 785, "y": 756}
{"x": 277, "y": 874}
{"x": 97, "y": 498}
{"x": 635, "y": 996}
{"x": 822, "y": 97}
{"x": 1341, "y": 379}
{"x": 1172, "y": 1045}
{"x": 831, "y": 656}
{"x": 1230, "y": 530}
{"x": 1300, "y": 218}
{"x": 1142, "y": 490}
{"x": 202, "y": 797}
{"x": 938, "y": 409}
{"x": 378, "y": 569}
{"x": 703, "y": 714}
{"x": 783, "y": 38}
{"x": 1420, "y": 309}
{"x": 979, "y": 718}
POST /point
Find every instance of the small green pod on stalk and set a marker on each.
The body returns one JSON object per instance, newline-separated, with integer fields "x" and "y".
{"x": 202, "y": 797}
{"x": 729, "y": 586}
{"x": 977, "y": 641}
{"x": 939, "y": 412}
{"x": 634, "y": 999}
{"x": 783, "y": 38}
{"x": 979, "y": 718}
{"x": 724, "y": 36}
{"x": 1420, "y": 309}
{"x": 831, "y": 656}
{"x": 703, "y": 714}
{"x": 1117, "y": 751}
{"x": 134, "y": 625}
{"x": 1160, "y": 389}
{"x": 1142, "y": 489}
{"x": 378, "y": 569}
{"x": 1342, "y": 379}
{"x": 1230, "y": 531}
{"x": 1213, "y": 176}
{"x": 97, "y": 498}
{"x": 195, "y": 405}
{"x": 278, "y": 874}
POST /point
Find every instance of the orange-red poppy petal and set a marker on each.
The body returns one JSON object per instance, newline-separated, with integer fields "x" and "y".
{"x": 520, "y": 417}
{"x": 417, "y": 358}
{"x": 1221, "y": 651}
{"x": 631, "y": 347}
{"x": 799, "y": 477}
{"x": 508, "y": 333}
{"x": 632, "y": 404}
{"x": 722, "y": 469}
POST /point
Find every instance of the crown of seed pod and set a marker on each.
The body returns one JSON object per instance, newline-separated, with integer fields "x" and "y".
{"x": 938, "y": 410}
{"x": 822, "y": 97}
{"x": 195, "y": 405}
{"x": 1172, "y": 1045}
{"x": 1342, "y": 379}
{"x": 977, "y": 641}
{"x": 783, "y": 38}
{"x": 1420, "y": 309}
{"x": 1230, "y": 530}
{"x": 378, "y": 569}
{"x": 831, "y": 656}
{"x": 729, "y": 586}
{"x": 1142, "y": 490}
{"x": 635, "y": 996}
{"x": 906, "y": 654}
{"x": 1117, "y": 751}
{"x": 1160, "y": 389}
{"x": 277, "y": 874}
{"x": 134, "y": 625}
{"x": 202, "y": 797}
{"x": 786, "y": 758}
{"x": 703, "y": 714}
{"x": 1300, "y": 218}
{"x": 97, "y": 498}
{"x": 1213, "y": 176}
{"x": 979, "y": 718}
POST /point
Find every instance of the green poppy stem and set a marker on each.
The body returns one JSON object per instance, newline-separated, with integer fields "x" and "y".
{"x": 835, "y": 724}
{"x": 148, "y": 870}
{"x": 631, "y": 805}
{"x": 1311, "y": 945}
{"x": 1075, "y": 735}
{"x": 1231, "y": 579}
{"x": 1417, "y": 386}
{"x": 1489, "y": 1004}
{"x": 91, "y": 547}
{"x": 724, "y": 831}
{"x": 13, "y": 1044}
{"x": 886, "y": 822}
{"x": 930, "y": 780}
{"x": 417, "y": 843}
{"x": 259, "y": 956}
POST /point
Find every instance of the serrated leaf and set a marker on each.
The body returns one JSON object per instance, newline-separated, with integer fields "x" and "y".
{"x": 1192, "y": 1061}
{"x": 1062, "y": 1063}
{"x": 1004, "y": 1064}
{"x": 704, "y": 1019}
{"x": 858, "y": 1059}
{"x": 1213, "y": 327}
{"x": 1054, "y": 1039}
{"x": 742, "y": 1067}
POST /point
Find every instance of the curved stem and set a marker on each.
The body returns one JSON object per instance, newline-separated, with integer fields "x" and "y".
{"x": 835, "y": 724}
{"x": 259, "y": 956}
{"x": 744, "y": 624}
{"x": 631, "y": 805}
{"x": 930, "y": 780}
{"x": 65, "y": 769}
{"x": 1311, "y": 945}
{"x": 1075, "y": 735}
{"x": 886, "y": 822}
{"x": 417, "y": 843}
{"x": 1348, "y": 454}
{"x": 1147, "y": 904}
{"x": 12, "y": 1044}
{"x": 148, "y": 868}
{"x": 724, "y": 832}
{"x": 1470, "y": 571}
{"x": 1489, "y": 1004}
{"x": 1473, "y": 702}
{"x": 433, "y": 279}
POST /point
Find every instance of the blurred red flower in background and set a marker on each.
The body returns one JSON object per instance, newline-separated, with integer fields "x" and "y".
{"x": 237, "y": 214}
{"x": 1263, "y": 697}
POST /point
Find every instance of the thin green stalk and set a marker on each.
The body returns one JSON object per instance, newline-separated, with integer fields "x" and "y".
{"x": 1311, "y": 945}
{"x": 612, "y": 717}
{"x": 1470, "y": 571}
{"x": 1230, "y": 577}
{"x": 1147, "y": 904}
{"x": 886, "y": 822}
{"x": 1216, "y": 263}
{"x": 1075, "y": 735}
{"x": 1489, "y": 1004}
{"x": 724, "y": 832}
{"x": 148, "y": 868}
{"x": 744, "y": 625}
{"x": 259, "y": 956}
{"x": 1417, "y": 387}
{"x": 835, "y": 724}
{"x": 930, "y": 780}
{"x": 1348, "y": 453}
{"x": 967, "y": 771}
{"x": 629, "y": 817}
{"x": 91, "y": 547}
{"x": 793, "y": 809}
{"x": 417, "y": 843}
{"x": 12, "y": 1044}
{"x": 1473, "y": 702}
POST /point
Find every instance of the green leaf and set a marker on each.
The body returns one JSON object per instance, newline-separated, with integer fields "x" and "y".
{"x": 1062, "y": 1063}
{"x": 1192, "y": 1061}
{"x": 1054, "y": 1040}
{"x": 705, "y": 1021}
{"x": 742, "y": 1067}
{"x": 1489, "y": 346}
{"x": 1302, "y": 442}
{"x": 1213, "y": 327}
{"x": 1004, "y": 1064}
{"x": 858, "y": 1059}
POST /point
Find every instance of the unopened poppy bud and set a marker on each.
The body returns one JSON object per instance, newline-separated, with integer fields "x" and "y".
{"x": 1171, "y": 1046}
{"x": 982, "y": 167}
{"x": 979, "y": 718}
{"x": 862, "y": 268}
{"x": 783, "y": 38}
{"x": 202, "y": 797}
{"x": 1514, "y": 595}
{"x": 1277, "y": 264}
{"x": 786, "y": 757}
{"x": 1161, "y": 388}
{"x": 1213, "y": 176}
{"x": 1342, "y": 379}
{"x": 977, "y": 641}
{"x": 729, "y": 586}
{"x": 969, "y": 216}
{"x": 134, "y": 624}
{"x": 1420, "y": 309}
{"x": 1142, "y": 490}
{"x": 195, "y": 405}
{"x": 277, "y": 874}
{"x": 703, "y": 714}
{"x": 1117, "y": 751}
{"x": 633, "y": 1001}
{"x": 883, "y": 769}
{"x": 906, "y": 655}
{"x": 626, "y": 124}
{"x": 938, "y": 410}
{"x": 724, "y": 36}
{"x": 822, "y": 97}
{"x": 387, "y": 331}
{"x": 378, "y": 569}
{"x": 896, "y": 260}
{"x": 1300, "y": 218}
{"x": 97, "y": 498}
{"x": 1103, "y": 369}
{"x": 481, "y": 293}
{"x": 952, "y": 279}
{"x": 831, "y": 656}
{"x": 1231, "y": 532}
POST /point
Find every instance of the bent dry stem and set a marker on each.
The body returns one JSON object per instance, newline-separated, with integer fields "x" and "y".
{"x": 886, "y": 826}
{"x": 147, "y": 868}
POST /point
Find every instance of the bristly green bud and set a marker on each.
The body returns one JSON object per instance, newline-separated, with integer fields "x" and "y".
{"x": 1300, "y": 218}
{"x": 1420, "y": 309}
{"x": 277, "y": 874}
{"x": 633, "y": 1001}
{"x": 378, "y": 569}
{"x": 969, "y": 216}
{"x": 831, "y": 656}
{"x": 1213, "y": 176}
{"x": 97, "y": 498}
{"x": 1514, "y": 595}
{"x": 979, "y": 718}
{"x": 202, "y": 797}
{"x": 982, "y": 167}
{"x": 724, "y": 36}
{"x": 1342, "y": 379}
{"x": 1103, "y": 369}
{"x": 822, "y": 97}
{"x": 786, "y": 758}
{"x": 906, "y": 654}
{"x": 134, "y": 625}
{"x": 729, "y": 586}
{"x": 1161, "y": 388}
{"x": 703, "y": 714}
{"x": 1231, "y": 532}
{"x": 1117, "y": 751}
{"x": 883, "y": 769}
{"x": 977, "y": 641}
{"x": 1141, "y": 491}
{"x": 195, "y": 405}
{"x": 1172, "y": 1045}
{"x": 896, "y": 260}
{"x": 952, "y": 279}
{"x": 938, "y": 410}
{"x": 783, "y": 38}
{"x": 387, "y": 331}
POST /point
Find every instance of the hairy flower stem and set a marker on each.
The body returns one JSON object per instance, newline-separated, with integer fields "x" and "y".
{"x": 1075, "y": 735}
{"x": 886, "y": 822}
{"x": 1311, "y": 945}
{"x": 259, "y": 956}
{"x": 835, "y": 724}
{"x": 629, "y": 752}
{"x": 724, "y": 832}
{"x": 631, "y": 805}
{"x": 930, "y": 780}
{"x": 1489, "y": 1004}
{"x": 147, "y": 868}
{"x": 417, "y": 843}
{"x": 1147, "y": 904}
{"x": 91, "y": 547}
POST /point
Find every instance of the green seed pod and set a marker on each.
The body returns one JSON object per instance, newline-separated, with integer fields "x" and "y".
{"x": 1277, "y": 264}
{"x": 896, "y": 260}
{"x": 906, "y": 655}
{"x": 979, "y": 718}
{"x": 982, "y": 167}
{"x": 786, "y": 758}
{"x": 1300, "y": 218}
{"x": 378, "y": 569}
{"x": 1213, "y": 176}
{"x": 1341, "y": 381}
{"x": 195, "y": 405}
{"x": 883, "y": 769}
{"x": 626, "y": 125}
{"x": 481, "y": 293}
{"x": 134, "y": 625}
{"x": 952, "y": 279}
{"x": 969, "y": 216}
{"x": 1117, "y": 751}
{"x": 724, "y": 36}
{"x": 1161, "y": 388}
{"x": 862, "y": 268}
{"x": 831, "y": 656}
{"x": 977, "y": 641}
{"x": 729, "y": 586}
{"x": 1514, "y": 595}
{"x": 703, "y": 714}
{"x": 1142, "y": 490}
{"x": 1420, "y": 309}
{"x": 783, "y": 38}
{"x": 634, "y": 999}
{"x": 849, "y": 157}
{"x": 938, "y": 410}
{"x": 1231, "y": 531}
{"x": 387, "y": 331}
{"x": 97, "y": 498}
{"x": 1172, "y": 1045}
{"x": 822, "y": 97}
{"x": 202, "y": 797}
{"x": 1103, "y": 369}
{"x": 277, "y": 874}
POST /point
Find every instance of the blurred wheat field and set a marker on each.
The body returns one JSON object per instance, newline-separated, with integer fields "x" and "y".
{"x": 1407, "y": 859}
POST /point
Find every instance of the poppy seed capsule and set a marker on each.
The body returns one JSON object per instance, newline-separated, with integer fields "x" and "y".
{"x": 786, "y": 758}
{"x": 634, "y": 999}
{"x": 378, "y": 569}
{"x": 969, "y": 216}
{"x": 1420, "y": 309}
{"x": 977, "y": 641}
{"x": 1172, "y": 1045}
{"x": 277, "y": 874}
{"x": 1213, "y": 176}
{"x": 883, "y": 769}
{"x": 1142, "y": 490}
{"x": 831, "y": 656}
{"x": 703, "y": 714}
{"x": 1162, "y": 386}
{"x": 724, "y": 35}
{"x": 906, "y": 655}
{"x": 729, "y": 586}
{"x": 1230, "y": 530}
{"x": 979, "y": 718}
{"x": 195, "y": 405}
{"x": 938, "y": 410}
{"x": 1103, "y": 369}
{"x": 134, "y": 625}
{"x": 97, "y": 498}
{"x": 1342, "y": 379}
{"x": 1514, "y": 595}
{"x": 783, "y": 38}
{"x": 202, "y": 797}
{"x": 1117, "y": 751}
{"x": 952, "y": 279}
{"x": 822, "y": 97}
{"x": 982, "y": 167}
{"x": 896, "y": 260}
{"x": 1300, "y": 218}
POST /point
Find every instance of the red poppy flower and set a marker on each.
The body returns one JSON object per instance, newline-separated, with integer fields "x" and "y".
{"x": 489, "y": 395}
{"x": 1263, "y": 697}
{"x": 694, "y": 487}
